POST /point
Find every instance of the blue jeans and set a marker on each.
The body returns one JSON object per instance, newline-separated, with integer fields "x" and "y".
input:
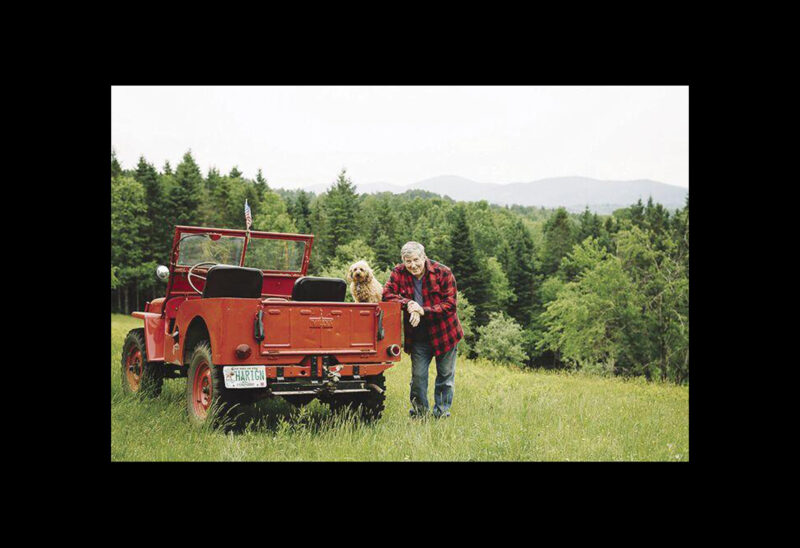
{"x": 421, "y": 356}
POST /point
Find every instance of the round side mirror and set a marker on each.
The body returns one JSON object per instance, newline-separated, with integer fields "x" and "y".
{"x": 162, "y": 272}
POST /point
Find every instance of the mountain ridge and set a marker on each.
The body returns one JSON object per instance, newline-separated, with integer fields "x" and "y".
{"x": 572, "y": 192}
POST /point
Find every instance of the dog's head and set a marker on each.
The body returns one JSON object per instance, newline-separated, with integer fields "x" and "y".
{"x": 359, "y": 272}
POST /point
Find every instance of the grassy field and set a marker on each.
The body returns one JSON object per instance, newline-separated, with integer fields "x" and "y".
{"x": 499, "y": 414}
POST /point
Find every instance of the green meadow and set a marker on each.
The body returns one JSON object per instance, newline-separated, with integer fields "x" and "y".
{"x": 499, "y": 414}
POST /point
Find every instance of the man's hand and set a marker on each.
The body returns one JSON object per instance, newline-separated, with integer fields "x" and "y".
{"x": 413, "y": 306}
{"x": 414, "y": 320}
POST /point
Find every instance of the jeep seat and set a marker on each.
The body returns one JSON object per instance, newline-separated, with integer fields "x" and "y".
{"x": 310, "y": 288}
{"x": 233, "y": 281}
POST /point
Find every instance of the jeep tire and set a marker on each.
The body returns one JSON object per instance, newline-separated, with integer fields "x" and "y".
{"x": 206, "y": 395}
{"x": 139, "y": 376}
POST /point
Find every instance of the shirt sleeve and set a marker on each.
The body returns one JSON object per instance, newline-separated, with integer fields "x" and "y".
{"x": 447, "y": 305}
{"x": 391, "y": 291}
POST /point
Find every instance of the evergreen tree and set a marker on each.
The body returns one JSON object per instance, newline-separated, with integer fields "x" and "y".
{"x": 589, "y": 225}
{"x": 167, "y": 183}
{"x": 467, "y": 268}
{"x": 209, "y": 212}
{"x": 318, "y": 222}
{"x": 610, "y": 226}
{"x": 167, "y": 169}
{"x": 235, "y": 173}
{"x": 147, "y": 175}
{"x": 382, "y": 229}
{"x": 606, "y": 236}
{"x": 656, "y": 219}
{"x": 662, "y": 348}
{"x": 386, "y": 252}
{"x": 636, "y": 213}
{"x": 558, "y": 240}
{"x": 341, "y": 207}
{"x": 241, "y": 189}
{"x": 301, "y": 212}
{"x": 482, "y": 224}
{"x": 218, "y": 200}
{"x": 680, "y": 234}
{"x": 212, "y": 179}
{"x": 116, "y": 169}
{"x": 521, "y": 272}
{"x": 261, "y": 183}
{"x": 504, "y": 253}
{"x": 186, "y": 194}
{"x": 159, "y": 230}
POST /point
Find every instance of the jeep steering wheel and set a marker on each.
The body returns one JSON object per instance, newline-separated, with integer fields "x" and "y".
{"x": 191, "y": 273}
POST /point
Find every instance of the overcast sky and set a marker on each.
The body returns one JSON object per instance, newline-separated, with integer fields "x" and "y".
{"x": 305, "y": 135}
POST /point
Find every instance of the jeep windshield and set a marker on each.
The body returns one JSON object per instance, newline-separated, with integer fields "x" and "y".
{"x": 197, "y": 248}
{"x": 270, "y": 254}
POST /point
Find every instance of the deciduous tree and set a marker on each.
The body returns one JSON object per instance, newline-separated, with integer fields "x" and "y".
{"x": 501, "y": 341}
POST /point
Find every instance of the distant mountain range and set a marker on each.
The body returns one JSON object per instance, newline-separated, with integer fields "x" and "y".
{"x": 573, "y": 193}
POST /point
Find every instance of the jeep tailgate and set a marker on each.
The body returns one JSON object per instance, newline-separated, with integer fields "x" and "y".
{"x": 322, "y": 328}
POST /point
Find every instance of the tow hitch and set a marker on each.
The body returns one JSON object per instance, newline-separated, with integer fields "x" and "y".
{"x": 324, "y": 388}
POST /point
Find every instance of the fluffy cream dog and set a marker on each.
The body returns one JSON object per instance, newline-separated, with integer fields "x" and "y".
{"x": 363, "y": 285}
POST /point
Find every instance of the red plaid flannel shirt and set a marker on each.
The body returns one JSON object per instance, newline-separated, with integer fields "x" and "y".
{"x": 438, "y": 302}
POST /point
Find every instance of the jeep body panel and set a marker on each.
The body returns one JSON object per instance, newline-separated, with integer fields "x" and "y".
{"x": 300, "y": 338}
{"x": 292, "y": 331}
{"x": 153, "y": 335}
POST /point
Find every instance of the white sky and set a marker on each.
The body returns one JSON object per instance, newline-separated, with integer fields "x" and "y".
{"x": 403, "y": 134}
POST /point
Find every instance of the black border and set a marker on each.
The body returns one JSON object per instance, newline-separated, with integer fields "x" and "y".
{"x": 100, "y": 98}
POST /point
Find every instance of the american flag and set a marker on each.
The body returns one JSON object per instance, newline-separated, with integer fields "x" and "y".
{"x": 248, "y": 217}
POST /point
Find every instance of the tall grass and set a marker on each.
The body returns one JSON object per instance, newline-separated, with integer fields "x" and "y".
{"x": 499, "y": 414}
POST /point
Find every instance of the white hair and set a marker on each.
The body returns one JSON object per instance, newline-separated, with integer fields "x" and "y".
{"x": 412, "y": 248}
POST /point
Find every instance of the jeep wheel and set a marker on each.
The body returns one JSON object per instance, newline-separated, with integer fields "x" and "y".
{"x": 369, "y": 405}
{"x": 139, "y": 376}
{"x": 206, "y": 395}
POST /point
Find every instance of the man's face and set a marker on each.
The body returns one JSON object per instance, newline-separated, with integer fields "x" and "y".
{"x": 415, "y": 264}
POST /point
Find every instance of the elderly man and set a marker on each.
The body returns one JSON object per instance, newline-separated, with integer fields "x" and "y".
{"x": 427, "y": 291}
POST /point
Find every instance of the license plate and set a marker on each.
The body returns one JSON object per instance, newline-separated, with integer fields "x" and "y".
{"x": 245, "y": 376}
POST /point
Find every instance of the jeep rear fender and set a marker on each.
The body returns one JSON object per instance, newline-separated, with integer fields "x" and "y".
{"x": 195, "y": 333}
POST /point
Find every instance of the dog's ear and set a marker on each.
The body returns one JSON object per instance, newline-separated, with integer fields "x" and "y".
{"x": 349, "y": 275}
{"x": 368, "y": 270}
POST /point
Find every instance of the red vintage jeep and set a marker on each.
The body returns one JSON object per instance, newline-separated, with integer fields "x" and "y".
{"x": 242, "y": 322}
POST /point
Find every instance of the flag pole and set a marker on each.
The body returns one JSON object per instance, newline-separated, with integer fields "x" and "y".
{"x": 248, "y": 219}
